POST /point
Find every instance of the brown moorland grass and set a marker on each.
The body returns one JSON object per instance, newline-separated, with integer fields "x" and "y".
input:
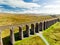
{"x": 11, "y": 19}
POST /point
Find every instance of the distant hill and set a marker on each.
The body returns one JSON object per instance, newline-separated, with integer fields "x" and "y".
{"x": 11, "y": 19}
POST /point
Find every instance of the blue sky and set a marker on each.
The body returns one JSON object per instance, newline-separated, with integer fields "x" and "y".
{"x": 30, "y": 6}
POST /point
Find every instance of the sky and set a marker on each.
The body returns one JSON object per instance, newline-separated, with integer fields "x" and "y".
{"x": 30, "y": 6}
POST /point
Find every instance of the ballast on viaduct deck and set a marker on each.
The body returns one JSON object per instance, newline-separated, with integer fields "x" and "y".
{"x": 35, "y": 28}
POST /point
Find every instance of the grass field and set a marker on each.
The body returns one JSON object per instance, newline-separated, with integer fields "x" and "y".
{"x": 34, "y": 40}
{"x": 52, "y": 34}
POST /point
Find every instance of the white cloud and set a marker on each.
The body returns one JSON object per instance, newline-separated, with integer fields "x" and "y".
{"x": 51, "y": 11}
{"x": 49, "y": 7}
{"x": 52, "y": 6}
{"x": 20, "y": 3}
{"x": 57, "y": 1}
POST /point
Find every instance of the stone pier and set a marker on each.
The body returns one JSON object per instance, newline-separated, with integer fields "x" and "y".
{"x": 58, "y": 20}
{"x": 37, "y": 28}
{"x": 1, "y": 43}
{"x": 32, "y": 29}
{"x": 40, "y": 26}
{"x": 20, "y": 33}
{"x": 45, "y": 25}
{"x": 49, "y": 24}
{"x": 12, "y": 38}
{"x": 27, "y": 31}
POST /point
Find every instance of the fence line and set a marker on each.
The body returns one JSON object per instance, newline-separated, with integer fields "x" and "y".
{"x": 35, "y": 28}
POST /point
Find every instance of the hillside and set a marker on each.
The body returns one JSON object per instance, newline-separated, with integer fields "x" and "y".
{"x": 52, "y": 34}
{"x": 11, "y": 19}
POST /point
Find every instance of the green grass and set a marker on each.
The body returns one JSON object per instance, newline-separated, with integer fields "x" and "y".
{"x": 33, "y": 40}
{"x": 52, "y": 34}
